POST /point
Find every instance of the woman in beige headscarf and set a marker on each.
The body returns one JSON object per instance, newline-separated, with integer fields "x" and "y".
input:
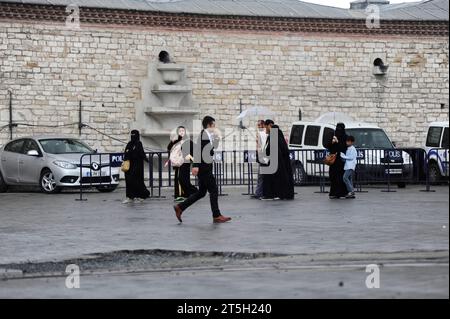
{"x": 182, "y": 144}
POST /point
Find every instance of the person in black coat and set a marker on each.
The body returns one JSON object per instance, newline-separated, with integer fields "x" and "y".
{"x": 183, "y": 186}
{"x": 203, "y": 168}
{"x": 336, "y": 172}
{"x": 134, "y": 178}
{"x": 279, "y": 185}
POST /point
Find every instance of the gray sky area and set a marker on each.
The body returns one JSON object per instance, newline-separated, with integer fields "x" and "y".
{"x": 346, "y": 3}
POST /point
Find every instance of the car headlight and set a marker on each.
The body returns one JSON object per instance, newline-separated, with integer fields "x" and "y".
{"x": 64, "y": 164}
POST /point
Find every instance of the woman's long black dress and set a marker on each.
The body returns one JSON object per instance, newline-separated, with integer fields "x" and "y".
{"x": 183, "y": 186}
{"x": 336, "y": 172}
{"x": 281, "y": 183}
{"x": 134, "y": 178}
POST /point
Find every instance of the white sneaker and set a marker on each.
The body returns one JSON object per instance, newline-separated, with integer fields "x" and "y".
{"x": 139, "y": 200}
{"x": 127, "y": 201}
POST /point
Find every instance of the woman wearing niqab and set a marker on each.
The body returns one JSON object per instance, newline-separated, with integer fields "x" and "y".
{"x": 336, "y": 172}
{"x": 134, "y": 178}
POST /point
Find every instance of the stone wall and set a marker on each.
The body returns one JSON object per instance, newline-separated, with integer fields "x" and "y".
{"x": 50, "y": 69}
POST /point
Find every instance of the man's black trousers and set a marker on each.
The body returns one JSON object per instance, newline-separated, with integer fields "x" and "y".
{"x": 206, "y": 183}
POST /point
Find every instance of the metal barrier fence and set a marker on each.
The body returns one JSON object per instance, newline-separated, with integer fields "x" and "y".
{"x": 388, "y": 167}
{"x": 398, "y": 166}
{"x": 98, "y": 170}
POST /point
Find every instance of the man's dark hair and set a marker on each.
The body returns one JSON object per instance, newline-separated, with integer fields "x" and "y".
{"x": 261, "y": 122}
{"x": 207, "y": 120}
{"x": 269, "y": 122}
{"x": 351, "y": 138}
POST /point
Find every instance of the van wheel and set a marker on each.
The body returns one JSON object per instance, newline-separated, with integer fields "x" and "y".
{"x": 434, "y": 174}
{"x": 47, "y": 182}
{"x": 299, "y": 173}
{"x": 3, "y": 186}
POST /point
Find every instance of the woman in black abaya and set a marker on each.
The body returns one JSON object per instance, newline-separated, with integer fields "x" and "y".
{"x": 336, "y": 146}
{"x": 279, "y": 185}
{"x": 134, "y": 178}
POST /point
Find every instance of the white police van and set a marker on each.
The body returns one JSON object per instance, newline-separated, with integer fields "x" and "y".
{"x": 377, "y": 156}
{"x": 436, "y": 147}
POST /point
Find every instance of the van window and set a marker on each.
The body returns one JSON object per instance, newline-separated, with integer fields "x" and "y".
{"x": 312, "y": 135}
{"x": 328, "y": 134}
{"x": 15, "y": 147}
{"x": 434, "y": 136}
{"x": 297, "y": 134}
{"x": 371, "y": 138}
{"x": 444, "y": 143}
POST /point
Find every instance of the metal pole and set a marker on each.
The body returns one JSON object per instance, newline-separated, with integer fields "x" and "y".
{"x": 80, "y": 122}
{"x": 387, "y": 157}
{"x": 10, "y": 116}
{"x": 81, "y": 180}
{"x": 427, "y": 173}
{"x": 240, "y": 111}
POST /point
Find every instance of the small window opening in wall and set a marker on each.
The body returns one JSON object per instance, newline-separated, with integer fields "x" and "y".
{"x": 442, "y": 105}
{"x": 164, "y": 57}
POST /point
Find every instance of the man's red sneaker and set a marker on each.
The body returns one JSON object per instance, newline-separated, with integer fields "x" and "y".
{"x": 221, "y": 219}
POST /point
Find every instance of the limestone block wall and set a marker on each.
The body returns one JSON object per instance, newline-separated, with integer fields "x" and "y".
{"x": 50, "y": 68}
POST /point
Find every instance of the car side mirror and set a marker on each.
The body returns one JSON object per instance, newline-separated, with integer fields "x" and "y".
{"x": 33, "y": 153}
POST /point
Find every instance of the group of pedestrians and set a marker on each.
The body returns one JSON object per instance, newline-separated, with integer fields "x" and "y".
{"x": 275, "y": 180}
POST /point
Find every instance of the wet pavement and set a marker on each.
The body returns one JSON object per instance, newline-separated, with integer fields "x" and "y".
{"x": 37, "y": 228}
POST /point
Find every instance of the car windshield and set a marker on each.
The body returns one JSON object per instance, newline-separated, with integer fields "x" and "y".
{"x": 64, "y": 146}
{"x": 370, "y": 138}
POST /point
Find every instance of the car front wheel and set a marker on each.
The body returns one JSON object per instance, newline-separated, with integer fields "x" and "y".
{"x": 47, "y": 182}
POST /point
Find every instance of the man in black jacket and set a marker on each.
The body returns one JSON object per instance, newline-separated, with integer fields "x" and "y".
{"x": 203, "y": 168}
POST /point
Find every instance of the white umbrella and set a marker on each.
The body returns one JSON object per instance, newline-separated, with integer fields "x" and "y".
{"x": 255, "y": 111}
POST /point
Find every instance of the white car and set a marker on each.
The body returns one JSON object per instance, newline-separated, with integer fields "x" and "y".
{"x": 377, "y": 155}
{"x": 436, "y": 147}
{"x": 54, "y": 163}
